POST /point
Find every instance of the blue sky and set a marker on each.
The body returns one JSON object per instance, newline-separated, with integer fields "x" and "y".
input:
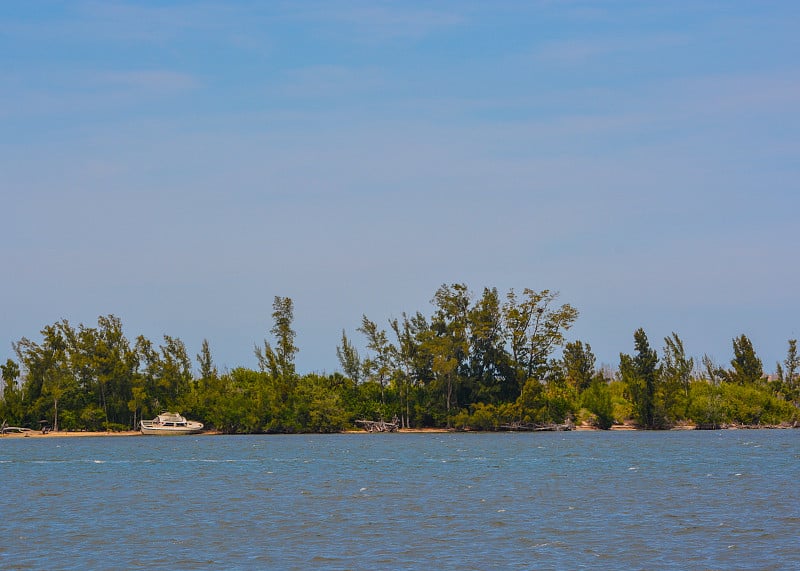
{"x": 179, "y": 164}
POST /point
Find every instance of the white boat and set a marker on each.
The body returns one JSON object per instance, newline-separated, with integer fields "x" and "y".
{"x": 170, "y": 423}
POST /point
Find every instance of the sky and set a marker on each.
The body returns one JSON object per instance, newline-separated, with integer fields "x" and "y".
{"x": 179, "y": 164}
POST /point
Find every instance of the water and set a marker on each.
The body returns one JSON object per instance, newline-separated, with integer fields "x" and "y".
{"x": 579, "y": 500}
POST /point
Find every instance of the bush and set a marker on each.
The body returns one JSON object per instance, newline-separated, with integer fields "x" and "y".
{"x": 748, "y": 404}
{"x": 706, "y": 405}
{"x": 483, "y": 417}
{"x": 115, "y": 427}
{"x": 596, "y": 400}
{"x": 587, "y": 418}
{"x": 487, "y": 417}
{"x": 621, "y": 408}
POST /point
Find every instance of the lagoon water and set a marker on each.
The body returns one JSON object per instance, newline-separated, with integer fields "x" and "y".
{"x": 575, "y": 500}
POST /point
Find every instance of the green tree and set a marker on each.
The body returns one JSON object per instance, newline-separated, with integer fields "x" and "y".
{"x": 244, "y": 401}
{"x": 279, "y": 362}
{"x": 597, "y": 400}
{"x": 447, "y": 342}
{"x": 175, "y": 372}
{"x": 280, "y": 392}
{"x": 49, "y": 378}
{"x": 706, "y": 406}
{"x": 789, "y": 377}
{"x": 321, "y": 406}
{"x": 144, "y": 391}
{"x": 377, "y": 367}
{"x": 489, "y": 367}
{"x": 640, "y": 374}
{"x": 10, "y": 373}
{"x": 578, "y": 363}
{"x": 138, "y": 398}
{"x": 349, "y": 359}
{"x": 408, "y": 333}
{"x": 676, "y": 377}
{"x": 714, "y": 374}
{"x": 34, "y": 363}
{"x": 532, "y": 402}
{"x": 164, "y": 376}
{"x": 746, "y": 366}
{"x": 206, "y": 362}
{"x": 560, "y": 400}
{"x": 59, "y": 379}
{"x": 534, "y": 328}
{"x": 196, "y": 402}
{"x": 113, "y": 363}
{"x": 11, "y": 402}
{"x": 752, "y": 404}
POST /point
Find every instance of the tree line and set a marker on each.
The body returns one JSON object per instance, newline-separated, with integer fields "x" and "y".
{"x": 476, "y": 362}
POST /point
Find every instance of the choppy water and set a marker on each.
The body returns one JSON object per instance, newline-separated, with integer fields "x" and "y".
{"x": 676, "y": 500}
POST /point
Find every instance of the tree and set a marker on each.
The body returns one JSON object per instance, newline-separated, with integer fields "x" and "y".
{"x": 175, "y": 372}
{"x": 11, "y": 402}
{"x": 163, "y": 378}
{"x": 747, "y": 367}
{"x": 206, "y": 363}
{"x": 532, "y": 402}
{"x": 280, "y": 361}
{"x": 447, "y": 342}
{"x": 408, "y": 333}
{"x": 113, "y": 363}
{"x": 321, "y": 406}
{"x": 489, "y": 365}
{"x": 48, "y": 374}
{"x": 578, "y": 363}
{"x": 705, "y": 407}
{"x": 145, "y": 393}
{"x": 534, "y": 328}
{"x": 714, "y": 373}
{"x": 676, "y": 373}
{"x": 792, "y": 363}
{"x": 640, "y": 373}
{"x": 378, "y": 367}
{"x": 10, "y": 373}
{"x": 58, "y": 380}
{"x": 349, "y": 359}
{"x": 597, "y": 400}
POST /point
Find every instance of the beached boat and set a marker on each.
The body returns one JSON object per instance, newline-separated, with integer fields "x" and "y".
{"x": 170, "y": 423}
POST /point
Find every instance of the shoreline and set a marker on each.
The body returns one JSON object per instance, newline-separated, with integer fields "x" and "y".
{"x": 614, "y": 428}
{"x": 67, "y": 434}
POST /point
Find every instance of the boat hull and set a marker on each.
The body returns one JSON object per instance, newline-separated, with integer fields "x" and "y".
{"x": 191, "y": 428}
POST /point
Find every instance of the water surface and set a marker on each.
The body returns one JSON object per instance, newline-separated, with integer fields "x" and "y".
{"x": 576, "y": 500}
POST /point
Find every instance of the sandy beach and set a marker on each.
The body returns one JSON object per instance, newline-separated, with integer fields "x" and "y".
{"x": 86, "y": 434}
{"x": 61, "y": 434}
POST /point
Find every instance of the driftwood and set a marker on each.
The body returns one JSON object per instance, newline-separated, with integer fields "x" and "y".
{"x": 377, "y": 425}
{"x": 532, "y": 427}
{"x": 13, "y": 429}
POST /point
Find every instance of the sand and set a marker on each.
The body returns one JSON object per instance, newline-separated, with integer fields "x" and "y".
{"x": 63, "y": 434}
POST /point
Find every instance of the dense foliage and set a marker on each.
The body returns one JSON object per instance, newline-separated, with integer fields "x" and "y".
{"x": 476, "y": 363}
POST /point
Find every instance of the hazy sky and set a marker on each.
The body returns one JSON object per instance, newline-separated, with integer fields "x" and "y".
{"x": 178, "y": 164}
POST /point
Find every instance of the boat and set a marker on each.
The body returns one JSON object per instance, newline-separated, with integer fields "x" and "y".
{"x": 170, "y": 423}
